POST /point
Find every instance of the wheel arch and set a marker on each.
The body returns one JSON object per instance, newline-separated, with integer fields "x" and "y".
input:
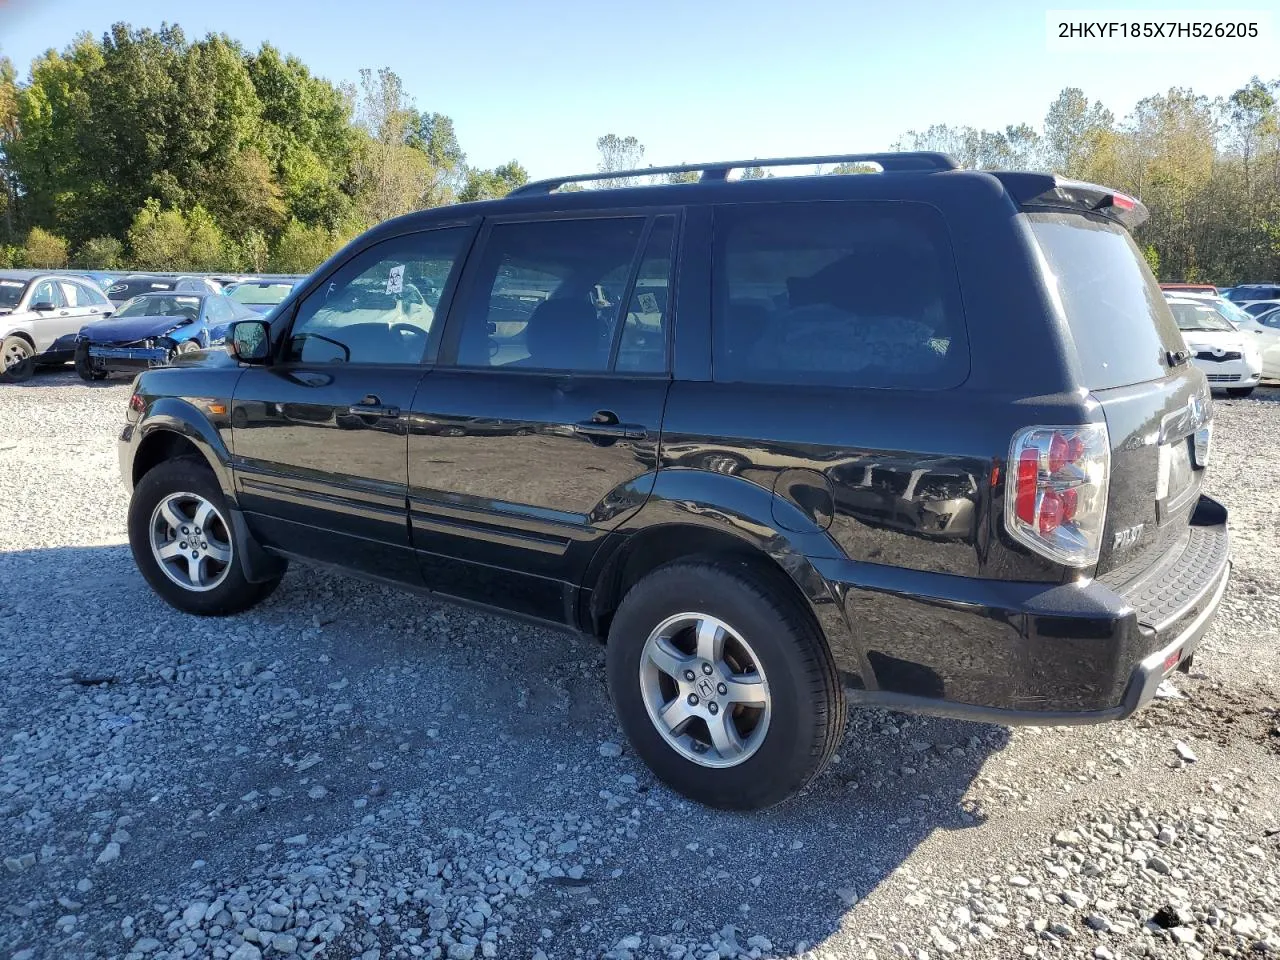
{"x": 714, "y": 517}
{"x": 174, "y": 428}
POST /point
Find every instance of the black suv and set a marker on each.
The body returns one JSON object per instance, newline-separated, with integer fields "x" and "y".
{"x": 924, "y": 438}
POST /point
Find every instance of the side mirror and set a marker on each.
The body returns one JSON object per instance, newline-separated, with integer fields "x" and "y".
{"x": 44, "y": 306}
{"x": 249, "y": 341}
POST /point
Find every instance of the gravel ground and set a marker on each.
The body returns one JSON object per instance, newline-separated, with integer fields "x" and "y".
{"x": 348, "y": 771}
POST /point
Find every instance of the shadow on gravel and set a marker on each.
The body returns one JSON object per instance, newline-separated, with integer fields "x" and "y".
{"x": 340, "y": 710}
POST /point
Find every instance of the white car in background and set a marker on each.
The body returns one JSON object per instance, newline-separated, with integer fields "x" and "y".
{"x": 1230, "y": 358}
{"x": 1265, "y": 326}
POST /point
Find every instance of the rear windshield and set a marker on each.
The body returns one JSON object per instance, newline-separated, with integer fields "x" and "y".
{"x": 1118, "y": 316}
{"x": 125, "y": 289}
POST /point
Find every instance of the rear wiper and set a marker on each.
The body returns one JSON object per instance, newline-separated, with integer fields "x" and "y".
{"x": 1178, "y": 357}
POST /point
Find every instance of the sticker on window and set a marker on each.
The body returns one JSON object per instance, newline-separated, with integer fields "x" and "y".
{"x": 162, "y": 286}
{"x": 395, "y": 279}
{"x": 12, "y": 283}
{"x": 187, "y": 299}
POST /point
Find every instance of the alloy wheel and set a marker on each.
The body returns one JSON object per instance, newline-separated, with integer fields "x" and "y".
{"x": 191, "y": 541}
{"x": 704, "y": 690}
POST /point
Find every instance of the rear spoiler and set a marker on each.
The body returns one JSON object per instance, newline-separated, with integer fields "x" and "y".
{"x": 1046, "y": 191}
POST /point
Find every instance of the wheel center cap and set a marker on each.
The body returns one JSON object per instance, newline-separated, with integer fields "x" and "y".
{"x": 706, "y": 688}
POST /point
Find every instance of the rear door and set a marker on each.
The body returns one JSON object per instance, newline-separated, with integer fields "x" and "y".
{"x": 80, "y": 307}
{"x": 539, "y": 434}
{"x": 319, "y": 435}
{"x": 1129, "y": 353}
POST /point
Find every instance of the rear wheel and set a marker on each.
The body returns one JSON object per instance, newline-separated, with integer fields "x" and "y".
{"x": 181, "y": 538}
{"x": 723, "y": 685}
{"x": 17, "y": 359}
{"x": 1239, "y": 391}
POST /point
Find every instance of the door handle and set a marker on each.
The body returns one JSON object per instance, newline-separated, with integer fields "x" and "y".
{"x": 605, "y": 424}
{"x": 371, "y": 406}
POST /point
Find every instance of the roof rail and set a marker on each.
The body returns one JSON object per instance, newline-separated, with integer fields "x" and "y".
{"x": 914, "y": 161}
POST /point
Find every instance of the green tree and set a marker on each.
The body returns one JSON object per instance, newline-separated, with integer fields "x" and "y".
{"x": 44, "y": 249}
{"x": 618, "y": 153}
{"x": 1152, "y": 256}
{"x": 491, "y": 184}
{"x": 159, "y": 238}
{"x": 300, "y": 248}
{"x": 101, "y": 253}
{"x": 8, "y": 136}
{"x": 1072, "y": 127}
{"x": 206, "y": 246}
{"x": 392, "y": 177}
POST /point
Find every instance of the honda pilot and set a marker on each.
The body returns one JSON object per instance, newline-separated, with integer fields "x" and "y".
{"x": 924, "y": 439}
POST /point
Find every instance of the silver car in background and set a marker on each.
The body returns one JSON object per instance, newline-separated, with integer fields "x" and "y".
{"x": 40, "y": 315}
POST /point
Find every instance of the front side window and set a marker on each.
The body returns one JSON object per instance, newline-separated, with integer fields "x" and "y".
{"x": 376, "y": 308}
{"x": 547, "y": 294}
{"x": 46, "y": 291}
{"x": 836, "y": 294}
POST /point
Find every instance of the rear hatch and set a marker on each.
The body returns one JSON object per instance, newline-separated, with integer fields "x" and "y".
{"x": 1134, "y": 362}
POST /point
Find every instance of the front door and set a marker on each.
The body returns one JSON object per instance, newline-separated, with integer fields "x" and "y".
{"x": 319, "y": 435}
{"x": 51, "y": 324}
{"x": 540, "y": 434}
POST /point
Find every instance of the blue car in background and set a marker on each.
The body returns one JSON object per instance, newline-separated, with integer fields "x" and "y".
{"x": 153, "y": 330}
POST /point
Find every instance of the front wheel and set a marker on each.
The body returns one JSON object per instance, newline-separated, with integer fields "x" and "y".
{"x": 181, "y": 537}
{"x": 17, "y": 359}
{"x": 723, "y": 685}
{"x": 84, "y": 366}
{"x": 1239, "y": 391}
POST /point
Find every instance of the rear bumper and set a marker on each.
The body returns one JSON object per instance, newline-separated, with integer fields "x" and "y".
{"x": 1013, "y": 653}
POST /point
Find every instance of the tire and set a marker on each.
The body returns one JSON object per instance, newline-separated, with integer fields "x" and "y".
{"x": 185, "y": 484}
{"x": 805, "y": 714}
{"x": 1239, "y": 391}
{"x": 17, "y": 359}
{"x": 84, "y": 367}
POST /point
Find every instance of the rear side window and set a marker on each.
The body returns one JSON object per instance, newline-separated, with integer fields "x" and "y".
{"x": 547, "y": 296}
{"x": 1117, "y": 313}
{"x": 838, "y": 293}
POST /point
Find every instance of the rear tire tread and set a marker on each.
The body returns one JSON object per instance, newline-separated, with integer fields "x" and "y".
{"x": 820, "y": 680}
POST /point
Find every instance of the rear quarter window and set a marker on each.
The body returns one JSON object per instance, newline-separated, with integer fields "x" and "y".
{"x": 836, "y": 293}
{"x": 1117, "y": 314}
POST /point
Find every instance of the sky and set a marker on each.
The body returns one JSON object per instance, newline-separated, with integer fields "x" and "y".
{"x": 539, "y": 81}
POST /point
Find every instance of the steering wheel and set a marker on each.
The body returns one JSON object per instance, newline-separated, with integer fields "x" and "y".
{"x": 409, "y": 329}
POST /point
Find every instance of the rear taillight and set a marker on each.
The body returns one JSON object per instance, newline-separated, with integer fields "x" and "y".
{"x": 136, "y": 405}
{"x": 1056, "y": 492}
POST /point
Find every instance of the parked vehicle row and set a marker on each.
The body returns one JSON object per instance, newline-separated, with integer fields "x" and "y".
{"x": 50, "y": 318}
{"x": 763, "y": 437}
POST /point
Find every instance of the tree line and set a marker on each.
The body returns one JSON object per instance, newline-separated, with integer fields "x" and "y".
{"x": 1208, "y": 169}
{"x": 142, "y": 149}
